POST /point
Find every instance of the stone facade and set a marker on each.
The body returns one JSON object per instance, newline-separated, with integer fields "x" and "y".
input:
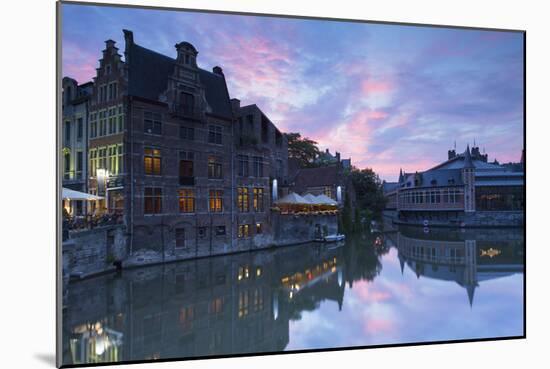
{"x": 93, "y": 251}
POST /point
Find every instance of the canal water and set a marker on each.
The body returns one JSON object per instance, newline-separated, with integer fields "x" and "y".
{"x": 402, "y": 286}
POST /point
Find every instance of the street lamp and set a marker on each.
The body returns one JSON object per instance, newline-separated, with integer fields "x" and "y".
{"x": 102, "y": 176}
{"x": 274, "y": 193}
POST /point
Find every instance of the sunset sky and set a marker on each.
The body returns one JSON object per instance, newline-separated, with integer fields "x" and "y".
{"x": 387, "y": 96}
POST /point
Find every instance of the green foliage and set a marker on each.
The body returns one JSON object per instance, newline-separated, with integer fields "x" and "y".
{"x": 340, "y": 224}
{"x": 347, "y": 219}
{"x": 110, "y": 259}
{"x": 368, "y": 190}
{"x": 302, "y": 149}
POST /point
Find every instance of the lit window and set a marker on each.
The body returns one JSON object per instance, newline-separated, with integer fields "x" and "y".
{"x": 242, "y": 199}
{"x": 243, "y": 231}
{"x": 258, "y": 199}
{"x": 152, "y": 161}
{"x": 216, "y": 201}
{"x": 186, "y": 200}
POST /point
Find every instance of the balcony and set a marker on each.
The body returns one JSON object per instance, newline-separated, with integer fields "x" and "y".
{"x": 72, "y": 175}
{"x": 187, "y": 181}
{"x": 247, "y": 140}
{"x": 186, "y": 112}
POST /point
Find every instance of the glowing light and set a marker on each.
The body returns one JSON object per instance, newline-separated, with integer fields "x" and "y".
{"x": 491, "y": 252}
{"x": 275, "y": 192}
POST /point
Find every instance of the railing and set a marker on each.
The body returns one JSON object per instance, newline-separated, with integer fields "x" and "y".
{"x": 187, "y": 181}
{"x": 84, "y": 222}
{"x": 72, "y": 175}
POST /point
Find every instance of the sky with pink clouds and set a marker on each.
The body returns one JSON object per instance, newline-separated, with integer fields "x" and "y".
{"x": 387, "y": 96}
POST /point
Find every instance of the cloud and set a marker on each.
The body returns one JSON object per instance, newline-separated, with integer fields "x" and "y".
{"x": 386, "y": 96}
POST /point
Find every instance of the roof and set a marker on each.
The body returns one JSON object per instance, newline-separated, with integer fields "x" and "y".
{"x": 458, "y": 162}
{"x": 442, "y": 177}
{"x": 389, "y": 186}
{"x": 148, "y": 73}
{"x": 468, "y": 158}
{"x": 315, "y": 177}
{"x": 433, "y": 178}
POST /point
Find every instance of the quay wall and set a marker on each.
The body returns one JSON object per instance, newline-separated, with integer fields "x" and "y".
{"x": 95, "y": 251}
{"x": 92, "y": 251}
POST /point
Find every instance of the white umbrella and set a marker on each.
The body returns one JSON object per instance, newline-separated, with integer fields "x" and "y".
{"x": 312, "y": 199}
{"x": 325, "y": 200}
{"x": 69, "y": 194}
{"x": 293, "y": 198}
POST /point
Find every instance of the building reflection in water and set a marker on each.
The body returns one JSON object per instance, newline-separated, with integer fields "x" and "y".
{"x": 244, "y": 303}
{"x": 466, "y": 257}
{"x": 225, "y": 305}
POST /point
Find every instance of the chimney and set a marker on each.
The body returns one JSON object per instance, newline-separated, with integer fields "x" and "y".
{"x": 128, "y": 37}
{"x": 235, "y": 104}
{"x": 451, "y": 154}
{"x": 218, "y": 70}
{"x": 337, "y": 156}
{"x": 128, "y": 41}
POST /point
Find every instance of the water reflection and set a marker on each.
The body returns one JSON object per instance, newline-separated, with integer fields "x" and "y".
{"x": 309, "y": 296}
{"x": 464, "y": 256}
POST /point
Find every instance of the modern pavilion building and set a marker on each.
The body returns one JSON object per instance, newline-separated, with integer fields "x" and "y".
{"x": 466, "y": 190}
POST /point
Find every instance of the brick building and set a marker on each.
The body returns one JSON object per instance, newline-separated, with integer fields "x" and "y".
{"x": 261, "y": 164}
{"x": 191, "y": 172}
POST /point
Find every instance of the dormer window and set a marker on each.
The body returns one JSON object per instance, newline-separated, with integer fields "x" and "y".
{"x": 108, "y": 69}
{"x": 186, "y": 53}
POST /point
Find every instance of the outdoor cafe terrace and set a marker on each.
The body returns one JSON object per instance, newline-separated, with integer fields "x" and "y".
{"x": 306, "y": 205}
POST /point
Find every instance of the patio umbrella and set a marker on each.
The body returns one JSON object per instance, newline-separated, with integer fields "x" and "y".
{"x": 312, "y": 199}
{"x": 69, "y": 194}
{"x": 325, "y": 200}
{"x": 293, "y": 199}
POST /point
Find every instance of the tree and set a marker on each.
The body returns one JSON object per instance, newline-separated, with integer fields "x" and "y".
{"x": 304, "y": 149}
{"x": 368, "y": 190}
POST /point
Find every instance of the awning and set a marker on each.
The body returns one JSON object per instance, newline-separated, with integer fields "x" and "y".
{"x": 69, "y": 194}
{"x": 293, "y": 199}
